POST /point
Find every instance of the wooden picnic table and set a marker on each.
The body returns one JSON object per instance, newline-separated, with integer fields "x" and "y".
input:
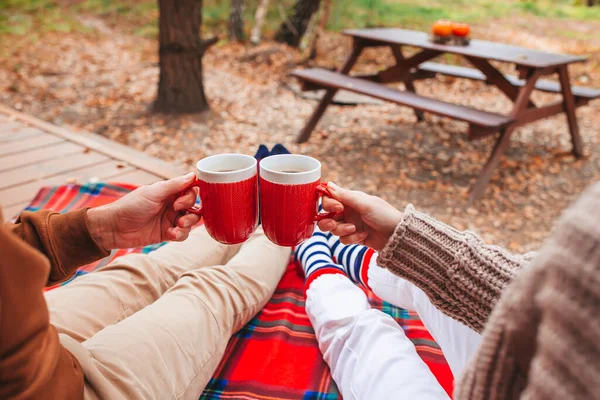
{"x": 531, "y": 65}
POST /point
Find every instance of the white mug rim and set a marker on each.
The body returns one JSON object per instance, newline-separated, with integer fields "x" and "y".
{"x": 269, "y": 173}
{"x": 237, "y": 175}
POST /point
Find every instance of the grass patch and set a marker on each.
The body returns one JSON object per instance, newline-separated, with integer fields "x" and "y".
{"x": 22, "y": 17}
{"x": 420, "y": 15}
{"x": 559, "y": 9}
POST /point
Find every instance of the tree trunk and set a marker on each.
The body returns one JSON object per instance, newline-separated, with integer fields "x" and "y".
{"x": 325, "y": 12}
{"x": 310, "y": 35}
{"x": 325, "y": 15}
{"x": 236, "y": 20}
{"x": 292, "y": 30}
{"x": 261, "y": 12}
{"x": 180, "y": 85}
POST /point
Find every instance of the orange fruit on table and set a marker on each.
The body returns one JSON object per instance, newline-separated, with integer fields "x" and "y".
{"x": 442, "y": 28}
{"x": 461, "y": 30}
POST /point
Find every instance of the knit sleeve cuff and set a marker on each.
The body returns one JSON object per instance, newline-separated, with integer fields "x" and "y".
{"x": 71, "y": 243}
{"x": 460, "y": 274}
{"x": 420, "y": 251}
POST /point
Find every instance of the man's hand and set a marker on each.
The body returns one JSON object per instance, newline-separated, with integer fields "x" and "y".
{"x": 149, "y": 214}
{"x": 360, "y": 218}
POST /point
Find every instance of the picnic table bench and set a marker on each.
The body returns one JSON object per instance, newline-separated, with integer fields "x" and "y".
{"x": 531, "y": 65}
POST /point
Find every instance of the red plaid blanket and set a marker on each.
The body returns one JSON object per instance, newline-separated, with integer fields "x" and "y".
{"x": 275, "y": 356}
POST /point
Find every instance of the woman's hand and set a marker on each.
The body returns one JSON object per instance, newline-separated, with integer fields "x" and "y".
{"x": 150, "y": 214}
{"x": 360, "y": 218}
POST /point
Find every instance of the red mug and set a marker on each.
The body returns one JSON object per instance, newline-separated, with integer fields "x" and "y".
{"x": 228, "y": 195}
{"x": 290, "y": 187}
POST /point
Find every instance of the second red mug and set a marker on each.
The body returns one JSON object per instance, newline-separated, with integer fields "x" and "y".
{"x": 229, "y": 198}
{"x": 290, "y": 187}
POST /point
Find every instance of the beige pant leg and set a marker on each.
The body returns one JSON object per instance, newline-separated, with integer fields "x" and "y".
{"x": 170, "y": 349}
{"x": 130, "y": 283}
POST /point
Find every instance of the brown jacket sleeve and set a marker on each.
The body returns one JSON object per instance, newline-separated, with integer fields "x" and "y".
{"x": 33, "y": 364}
{"x": 41, "y": 248}
{"x": 64, "y": 239}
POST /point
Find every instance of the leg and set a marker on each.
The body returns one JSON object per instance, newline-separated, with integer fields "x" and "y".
{"x": 486, "y": 173}
{"x": 355, "y": 340}
{"x": 171, "y": 348}
{"x": 369, "y": 355}
{"x": 457, "y": 341}
{"x": 328, "y": 96}
{"x": 408, "y": 82}
{"x": 128, "y": 284}
{"x": 521, "y": 103}
{"x": 569, "y": 103}
{"x": 316, "y": 116}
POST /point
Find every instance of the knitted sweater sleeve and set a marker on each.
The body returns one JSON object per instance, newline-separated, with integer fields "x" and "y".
{"x": 462, "y": 276}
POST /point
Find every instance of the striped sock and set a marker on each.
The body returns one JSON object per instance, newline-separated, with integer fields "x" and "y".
{"x": 315, "y": 257}
{"x": 355, "y": 258}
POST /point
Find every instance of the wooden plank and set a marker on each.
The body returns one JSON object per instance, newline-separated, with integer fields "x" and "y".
{"x": 329, "y": 79}
{"x": 554, "y": 87}
{"x": 12, "y": 211}
{"x": 28, "y": 144}
{"x": 34, "y": 156}
{"x": 9, "y": 125}
{"x": 101, "y": 145}
{"x": 385, "y": 76}
{"x": 476, "y": 48}
{"x": 474, "y": 74}
{"x": 19, "y": 134}
{"x": 137, "y": 177}
{"x": 102, "y": 172}
{"x": 453, "y": 70}
{"x": 49, "y": 168}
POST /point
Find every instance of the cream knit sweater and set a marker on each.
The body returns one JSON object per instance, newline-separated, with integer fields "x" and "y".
{"x": 539, "y": 313}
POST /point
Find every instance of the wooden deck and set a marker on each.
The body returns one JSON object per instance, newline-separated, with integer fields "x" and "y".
{"x": 34, "y": 153}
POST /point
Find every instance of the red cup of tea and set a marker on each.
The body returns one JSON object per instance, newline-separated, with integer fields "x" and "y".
{"x": 290, "y": 187}
{"x": 228, "y": 196}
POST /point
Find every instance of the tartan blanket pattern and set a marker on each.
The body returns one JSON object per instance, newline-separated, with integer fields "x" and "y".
{"x": 275, "y": 356}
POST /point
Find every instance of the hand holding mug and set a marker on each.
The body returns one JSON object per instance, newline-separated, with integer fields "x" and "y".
{"x": 150, "y": 214}
{"x": 228, "y": 194}
{"x": 359, "y": 218}
{"x": 290, "y": 187}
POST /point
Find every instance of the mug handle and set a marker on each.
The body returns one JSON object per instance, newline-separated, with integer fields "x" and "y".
{"x": 322, "y": 190}
{"x": 195, "y": 209}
